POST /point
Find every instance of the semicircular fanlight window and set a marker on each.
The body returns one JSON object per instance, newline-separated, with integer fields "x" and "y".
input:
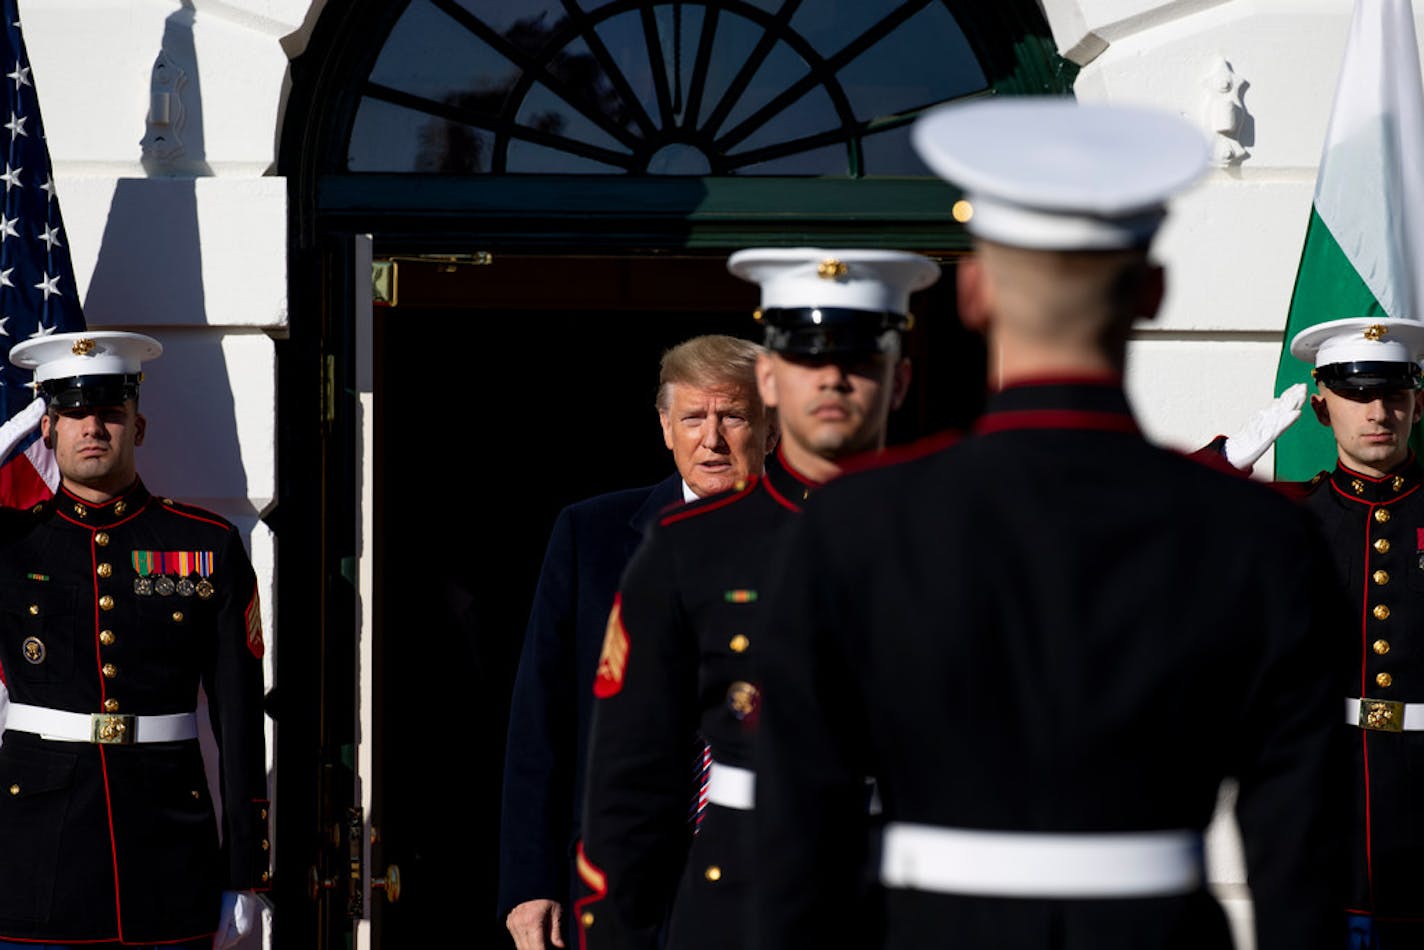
{"x": 641, "y": 87}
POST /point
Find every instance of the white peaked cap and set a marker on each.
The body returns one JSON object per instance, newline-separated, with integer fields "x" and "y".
{"x": 85, "y": 353}
{"x": 1360, "y": 340}
{"x": 1050, "y": 173}
{"x": 797, "y": 277}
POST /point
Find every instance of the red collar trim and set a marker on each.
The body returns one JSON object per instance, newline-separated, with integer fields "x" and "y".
{"x": 1055, "y": 419}
{"x": 694, "y": 508}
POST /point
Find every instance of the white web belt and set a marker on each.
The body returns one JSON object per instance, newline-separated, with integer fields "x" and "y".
{"x": 1042, "y": 865}
{"x": 104, "y": 728}
{"x": 1383, "y": 715}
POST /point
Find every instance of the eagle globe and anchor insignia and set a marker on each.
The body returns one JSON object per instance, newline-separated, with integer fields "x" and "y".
{"x": 34, "y": 650}
{"x": 1382, "y": 715}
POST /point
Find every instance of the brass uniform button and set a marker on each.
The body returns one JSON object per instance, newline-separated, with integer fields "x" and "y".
{"x": 196, "y": 794}
{"x": 111, "y": 705}
{"x": 14, "y": 789}
{"x": 739, "y": 643}
{"x": 713, "y": 873}
{"x": 1381, "y": 612}
{"x": 110, "y": 670}
{"x": 265, "y": 845}
{"x": 177, "y": 616}
{"x": 106, "y": 637}
{"x": 34, "y": 610}
{"x": 168, "y": 501}
{"x": 120, "y": 507}
{"x": 1384, "y": 679}
{"x": 1382, "y": 515}
{"x": 743, "y": 699}
{"x": 1382, "y": 545}
{"x": 1380, "y": 646}
{"x": 587, "y": 919}
{"x": 1381, "y": 577}
{"x": 266, "y": 876}
{"x": 102, "y": 539}
{"x": 106, "y": 602}
{"x": 262, "y": 814}
{"x": 105, "y": 569}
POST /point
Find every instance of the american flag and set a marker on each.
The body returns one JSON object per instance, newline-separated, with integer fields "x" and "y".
{"x": 38, "y": 295}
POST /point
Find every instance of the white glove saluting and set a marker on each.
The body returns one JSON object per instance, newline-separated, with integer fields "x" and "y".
{"x": 20, "y": 425}
{"x": 240, "y": 910}
{"x": 1244, "y": 447}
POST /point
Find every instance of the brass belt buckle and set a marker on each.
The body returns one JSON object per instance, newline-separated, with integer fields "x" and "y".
{"x": 1381, "y": 715}
{"x": 109, "y": 729}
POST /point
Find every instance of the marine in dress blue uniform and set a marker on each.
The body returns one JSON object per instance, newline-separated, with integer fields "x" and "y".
{"x": 1371, "y": 507}
{"x": 679, "y": 660}
{"x": 1050, "y": 641}
{"x": 112, "y": 613}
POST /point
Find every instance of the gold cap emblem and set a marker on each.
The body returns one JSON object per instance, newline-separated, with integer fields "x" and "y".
{"x": 831, "y": 269}
{"x": 1375, "y": 332}
{"x": 82, "y": 346}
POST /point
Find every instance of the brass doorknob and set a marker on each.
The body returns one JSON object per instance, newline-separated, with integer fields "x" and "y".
{"x": 390, "y": 884}
{"x": 316, "y": 883}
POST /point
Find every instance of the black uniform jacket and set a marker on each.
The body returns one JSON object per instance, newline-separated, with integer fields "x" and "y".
{"x": 1050, "y": 626}
{"x": 1375, "y": 528}
{"x": 119, "y": 842}
{"x": 678, "y": 663}
{"x": 552, "y": 703}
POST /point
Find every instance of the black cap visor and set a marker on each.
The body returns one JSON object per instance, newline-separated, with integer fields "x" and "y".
{"x": 109, "y": 389}
{"x": 1369, "y": 375}
{"x": 831, "y": 331}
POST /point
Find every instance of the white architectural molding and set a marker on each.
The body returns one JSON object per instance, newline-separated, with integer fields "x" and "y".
{"x": 1226, "y": 119}
{"x": 93, "y": 64}
{"x": 179, "y": 251}
{"x": 162, "y": 144}
{"x": 1082, "y": 29}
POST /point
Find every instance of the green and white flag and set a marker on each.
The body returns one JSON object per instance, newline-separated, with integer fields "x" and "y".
{"x": 1364, "y": 247}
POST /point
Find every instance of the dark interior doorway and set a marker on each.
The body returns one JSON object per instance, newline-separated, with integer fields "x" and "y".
{"x": 503, "y": 393}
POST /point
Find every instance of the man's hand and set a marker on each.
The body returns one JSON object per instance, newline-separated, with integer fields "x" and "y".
{"x": 240, "y": 910}
{"x": 1263, "y": 428}
{"x": 536, "y": 924}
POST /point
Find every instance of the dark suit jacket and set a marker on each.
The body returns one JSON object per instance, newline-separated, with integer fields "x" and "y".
{"x": 591, "y": 543}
